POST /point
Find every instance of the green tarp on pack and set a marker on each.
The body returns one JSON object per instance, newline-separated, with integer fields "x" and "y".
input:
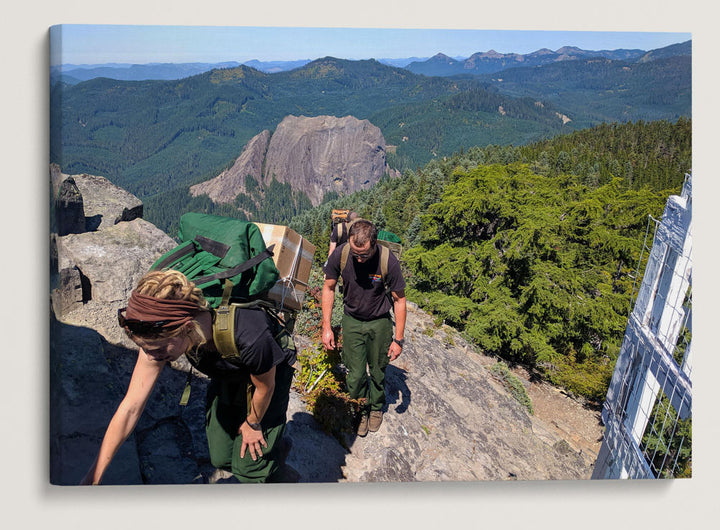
{"x": 216, "y": 248}
{"x": 384, "y": 235}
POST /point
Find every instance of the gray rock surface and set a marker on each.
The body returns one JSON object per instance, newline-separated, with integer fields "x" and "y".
{"x": 103, "y": 203}
{"x": 325, "y": 153}
{"x": 107, "y": 264}
{"x": 69, "y": 209}
{"x": 448, "y": 418}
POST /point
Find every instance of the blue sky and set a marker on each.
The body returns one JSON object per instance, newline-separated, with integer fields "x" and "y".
{"x": 140, "y": 44}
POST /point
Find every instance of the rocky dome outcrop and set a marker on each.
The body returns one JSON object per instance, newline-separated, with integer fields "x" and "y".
{"x": 447, "y": 419}
{"x": 315, "y": 155}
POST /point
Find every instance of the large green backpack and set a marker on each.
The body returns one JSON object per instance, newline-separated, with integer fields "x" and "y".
{"x": 391, "y": 241}
{"x": 214, "y": 249}
{"x": 227, "y": 259}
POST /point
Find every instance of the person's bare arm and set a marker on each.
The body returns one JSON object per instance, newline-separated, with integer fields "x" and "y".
{"x": 126, "y": 416}
{"x": 328, "y": 300}
{"x": 253, "y": 440}
{"x": 400, "y": 310}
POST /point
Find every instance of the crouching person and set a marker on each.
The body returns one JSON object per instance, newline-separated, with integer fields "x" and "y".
{"x": 167, "y": 317}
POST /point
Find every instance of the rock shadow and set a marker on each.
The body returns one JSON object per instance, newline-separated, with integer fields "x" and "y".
{"x": 84, "y": 393}
{"x": 396, "y": 388}
{"x": 315, "y": 455}
{"x": 93, "y": 223}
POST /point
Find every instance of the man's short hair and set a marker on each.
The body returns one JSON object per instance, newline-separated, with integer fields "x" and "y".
{"x": 363, "y": 231}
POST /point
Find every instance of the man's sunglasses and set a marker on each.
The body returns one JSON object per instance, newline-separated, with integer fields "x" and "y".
{"x": 142, "y": 327}
{"x": 366, "y": 255}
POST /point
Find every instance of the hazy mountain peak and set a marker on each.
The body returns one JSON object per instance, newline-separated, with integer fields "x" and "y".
{"x": 569, "y": 49}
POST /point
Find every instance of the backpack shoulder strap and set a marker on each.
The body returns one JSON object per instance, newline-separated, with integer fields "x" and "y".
{"x": 224, "y": 325}
{"x": 344, "y": 255}
{"x": 223, "y": 328}
{"x": 224, "y": 337}
{"x": 384, "y": 258}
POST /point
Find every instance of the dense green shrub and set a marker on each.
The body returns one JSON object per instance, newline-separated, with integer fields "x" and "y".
{"x": 534, "y": 269}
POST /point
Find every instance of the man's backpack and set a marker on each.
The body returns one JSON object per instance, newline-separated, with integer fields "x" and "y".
{"x": 339, "y": 215}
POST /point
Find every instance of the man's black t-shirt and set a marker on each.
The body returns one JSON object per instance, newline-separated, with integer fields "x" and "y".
{"x": 255, "y": 343}
{"x": 335, "y": 236}
{"x": 363, "y": 287}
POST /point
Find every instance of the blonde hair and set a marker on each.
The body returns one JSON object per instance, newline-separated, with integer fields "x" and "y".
{"x": 174, "y": 285}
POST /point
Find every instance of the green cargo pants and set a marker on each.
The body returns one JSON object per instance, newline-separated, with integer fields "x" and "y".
{"x": 226, "y": 409}
{"x": 365, "y": 345}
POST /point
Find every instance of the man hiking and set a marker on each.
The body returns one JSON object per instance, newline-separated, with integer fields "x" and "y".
{"x": 339, "y": 233}
{"x": 368, "y": 271}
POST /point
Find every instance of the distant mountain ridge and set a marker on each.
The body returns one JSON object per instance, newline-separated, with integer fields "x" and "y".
{"x": 492, "y": 61}
{"x": 148, "y": 135}
{"x": 73, "y": 74}
{"x": 605, "y": 90}
{"x": 438, "y": 65}
{"x": 77, "y": 73}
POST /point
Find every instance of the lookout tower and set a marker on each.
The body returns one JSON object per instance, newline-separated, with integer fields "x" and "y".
{"x": 647, "y": 411}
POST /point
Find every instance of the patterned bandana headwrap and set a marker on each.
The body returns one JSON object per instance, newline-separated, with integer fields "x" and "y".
{"x": 172, "y": 313}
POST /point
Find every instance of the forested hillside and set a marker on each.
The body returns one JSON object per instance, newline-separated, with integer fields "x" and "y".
{"x": 530, "y": 250}
{"x": 602, "y": 90}
{"x": 278, "y": 205}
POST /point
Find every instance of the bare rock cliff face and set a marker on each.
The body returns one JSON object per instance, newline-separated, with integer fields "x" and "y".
{"x": 322, "y": 154}
{"x": 92, "y": 274}
{"x": 231, "y": 182}
{"x": 447, "y": 418}
{"x": 314, "y": 155}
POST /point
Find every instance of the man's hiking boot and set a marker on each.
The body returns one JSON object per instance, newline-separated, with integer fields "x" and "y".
{"x": 375, "y": 420}
{"x": 362, "y": 429}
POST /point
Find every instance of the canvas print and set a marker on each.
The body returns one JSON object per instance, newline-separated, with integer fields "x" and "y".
{"x": 326, "y": 255}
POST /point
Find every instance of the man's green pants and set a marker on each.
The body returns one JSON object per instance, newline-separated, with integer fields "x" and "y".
{"x": 226, "y": 411}
{"x": 366, "y": 344}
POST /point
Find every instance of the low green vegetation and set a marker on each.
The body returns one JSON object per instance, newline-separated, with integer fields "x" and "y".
{"x": 513, "y": 385}
{"x": 321, "y": 379}
{"x": 667, "y": 441}
{"x": 321, "y": 382}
